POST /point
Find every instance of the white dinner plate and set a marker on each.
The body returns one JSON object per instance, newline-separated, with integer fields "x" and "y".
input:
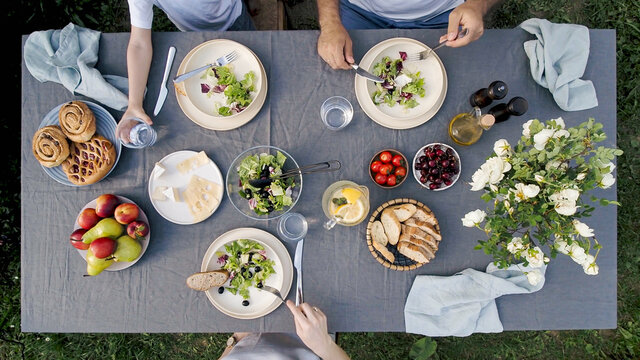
{"x": 105, "y": 126}
{"x": 197, "y": 106}
{"x": 261, "y": 302}
{"x": 118, "y": 265}
{"x": 431, "y": 69}
{"x": 178, "y": 212}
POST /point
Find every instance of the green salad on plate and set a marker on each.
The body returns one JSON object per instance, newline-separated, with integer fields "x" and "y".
{"x": 400, "y": 86}
{"x": 236, "y": 94}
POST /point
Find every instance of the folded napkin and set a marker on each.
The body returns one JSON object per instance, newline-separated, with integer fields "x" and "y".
{"x": 68, "y": 57}
{"x": 464, "y": 303}
{"x": 558, "y": 58}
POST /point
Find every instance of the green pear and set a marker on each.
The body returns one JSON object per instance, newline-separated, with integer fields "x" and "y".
{"x": 127, "y": 249}
{"x": 107, "y": 227}
{"x": 96, "y": 265}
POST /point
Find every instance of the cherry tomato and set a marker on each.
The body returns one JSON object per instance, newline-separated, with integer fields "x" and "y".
{"x": 381, "y": 178}
{"x": 386, "y": 169}
{"x": 375, "y": 166}
{"x": 397, "y": 160}
{"x": 400, "y": 171}
{"x": 391, "y": 180}
{"x": 385, "y": 157}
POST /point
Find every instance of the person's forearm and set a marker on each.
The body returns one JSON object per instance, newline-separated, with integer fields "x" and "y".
{"x": 332, "y": 352}
{"x": 139, "y": 54}
{"x": 328, "y": 13}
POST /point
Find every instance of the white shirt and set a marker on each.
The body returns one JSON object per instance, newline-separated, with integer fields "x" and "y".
{"x": 407, "y": 10}
{"x": 187, "y": 15}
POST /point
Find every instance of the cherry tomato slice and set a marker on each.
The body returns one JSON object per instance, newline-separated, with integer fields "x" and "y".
{"x": 391, "y": 180}
{"x": 400, "y": 171}
{"x": 385, "y": 157}
{"x": 397, "y": 160}
{"x": 381, "y": 179}
{"x": 375, "y": 166}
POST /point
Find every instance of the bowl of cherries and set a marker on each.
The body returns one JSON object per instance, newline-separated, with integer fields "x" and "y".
{"x": 388, "y": 168}
{"x": 436, "y": 166}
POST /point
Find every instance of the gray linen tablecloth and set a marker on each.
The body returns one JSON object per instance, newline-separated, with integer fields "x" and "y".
{"x": 340, "y": 275}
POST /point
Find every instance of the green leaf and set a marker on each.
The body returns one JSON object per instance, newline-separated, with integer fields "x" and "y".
{"x": 423, "y": 349}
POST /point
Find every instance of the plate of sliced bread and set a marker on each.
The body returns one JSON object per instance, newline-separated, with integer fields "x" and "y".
{"x": 403, "y": 234}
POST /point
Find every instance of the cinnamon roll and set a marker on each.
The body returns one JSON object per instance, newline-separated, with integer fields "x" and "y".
{"x": 77, "y": 121}
{"x": 50, "y": 146}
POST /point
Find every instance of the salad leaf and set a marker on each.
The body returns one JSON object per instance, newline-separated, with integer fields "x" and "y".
{"x": 221, "y": 79}
{"x": 391, "y": 93}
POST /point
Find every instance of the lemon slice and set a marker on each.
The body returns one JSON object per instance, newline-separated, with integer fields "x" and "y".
{"x": 352, "y": 195}
{"x": 350, "y": 213}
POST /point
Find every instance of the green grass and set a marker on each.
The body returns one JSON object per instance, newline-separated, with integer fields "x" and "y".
{"x": 621, "y": 343}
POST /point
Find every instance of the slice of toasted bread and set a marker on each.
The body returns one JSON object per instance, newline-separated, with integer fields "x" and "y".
{"x": 377, "y": 233}
{"x": 419, "y": 237}
{"x": 414, "y": 252}
{"x": 404, "y": 211}
{"x": 424, "y": 226}
{"x": 384, "y": 251}
{"x": 426, "y": 216}
{"x": 203, "y": 281}
{"x": 391, "y": 224}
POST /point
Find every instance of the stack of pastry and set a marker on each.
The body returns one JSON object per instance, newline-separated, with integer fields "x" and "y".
{"x": 87, "y": 158}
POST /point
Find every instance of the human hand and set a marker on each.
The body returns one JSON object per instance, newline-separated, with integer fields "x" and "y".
{"x": 468, "y": 15}
{"x": 311, "y": 326}
{"x": 124, "y": 127}
{"x": 335, "y": 46}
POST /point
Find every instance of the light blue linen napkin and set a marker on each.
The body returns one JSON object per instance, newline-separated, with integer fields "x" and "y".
{"x": 558, "y": 58}
{"x": 464, "y": 303}
{"x": 68, "y": 57}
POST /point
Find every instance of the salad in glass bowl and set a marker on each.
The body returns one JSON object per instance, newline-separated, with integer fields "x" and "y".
{"x": 248, "y": 266}
{"x": 400, "y": 86}
{"x": 230, "y": 95}
{"x": 270, "y": 200}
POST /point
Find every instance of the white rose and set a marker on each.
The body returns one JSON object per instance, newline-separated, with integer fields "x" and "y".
{"x": 606, "y": 181}
{"x": 525, "y": 128}
{"x": 591, "y": 269}
{"x": 608, "y": 166}
{"x": 581, "y": 176}
{"x": 538, "y": 177}
{"x": 535, "y": 257}
{"x": 561, "y": 133}
{"x": 588, "y": 260}
{"x": 496, "y": 167}
{"x": 541, "y": 138}
{"x": 565, "y": 201}
{"x": 534, "y": 277}
{"x": 582, "y": 229}
{"x": 507, "y": 205}
{"x": 479, "y": 180}
{"x": 523, "y": 191}
{"x": 561, "y": 246}
{"x": 473, "y": 218}
{"x": 502, "y": 148}
{"x": 566, "y": 208}
{"x": 559, "y": 122}
{"x": 577, "y": 253}
{"x": 515, "y": 245}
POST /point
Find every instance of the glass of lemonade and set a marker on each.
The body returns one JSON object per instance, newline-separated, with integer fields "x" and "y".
{"x": 346, "y": 203}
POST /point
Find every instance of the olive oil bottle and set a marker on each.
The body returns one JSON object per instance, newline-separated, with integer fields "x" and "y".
{"x": 467, "y": 128}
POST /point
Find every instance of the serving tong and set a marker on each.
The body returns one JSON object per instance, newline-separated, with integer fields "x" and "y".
{"x": 325, "y": 166}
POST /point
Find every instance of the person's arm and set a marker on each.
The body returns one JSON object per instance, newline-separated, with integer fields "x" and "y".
{"x": 468, "y": 15}
{"x": 311, "y": 327}
{"x": 139, "y": 53}
{"x": 334, "y": 42}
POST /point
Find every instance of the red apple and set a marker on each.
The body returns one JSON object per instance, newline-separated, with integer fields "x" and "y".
{"x": 106, "y": 205}
{"x": 137, "y": 229}
{"x": 76, "y": 239}
{"x": 126, "y": 213}
{"x": 102, "y": 247}
{"x": 88, "y": 218}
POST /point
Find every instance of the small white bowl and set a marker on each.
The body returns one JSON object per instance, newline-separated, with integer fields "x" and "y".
{"x": 417, "y": 173}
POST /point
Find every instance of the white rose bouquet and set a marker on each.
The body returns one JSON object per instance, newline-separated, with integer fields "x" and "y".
{"x": 536, "y": 189}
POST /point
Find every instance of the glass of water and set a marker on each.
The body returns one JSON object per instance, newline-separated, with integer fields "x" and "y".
{"x": 292, "y": 227}
{"x": 135, "y": 133}
{"x": 336, "y": 112}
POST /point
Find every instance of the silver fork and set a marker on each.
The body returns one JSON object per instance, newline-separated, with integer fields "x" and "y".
{"x": 274, "y": 291}
{"x": 223, "y": 60}
{"x": 426, "y": 53}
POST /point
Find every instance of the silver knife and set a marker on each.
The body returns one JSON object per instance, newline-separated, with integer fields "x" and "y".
{"x": 364, "y": 73}
{"x": 297, "y": 262}
{"x": 163, "y": 87}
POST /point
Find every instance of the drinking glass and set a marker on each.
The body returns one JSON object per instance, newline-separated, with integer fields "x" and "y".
{"x": 135, "y": 133}
{"x": 292, "y": 227}
{"x": 345, "y": 203}
{"x": 336, "y": 112}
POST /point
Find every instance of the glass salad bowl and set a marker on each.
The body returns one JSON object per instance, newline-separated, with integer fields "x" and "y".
{"x": 263, "y": 201}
